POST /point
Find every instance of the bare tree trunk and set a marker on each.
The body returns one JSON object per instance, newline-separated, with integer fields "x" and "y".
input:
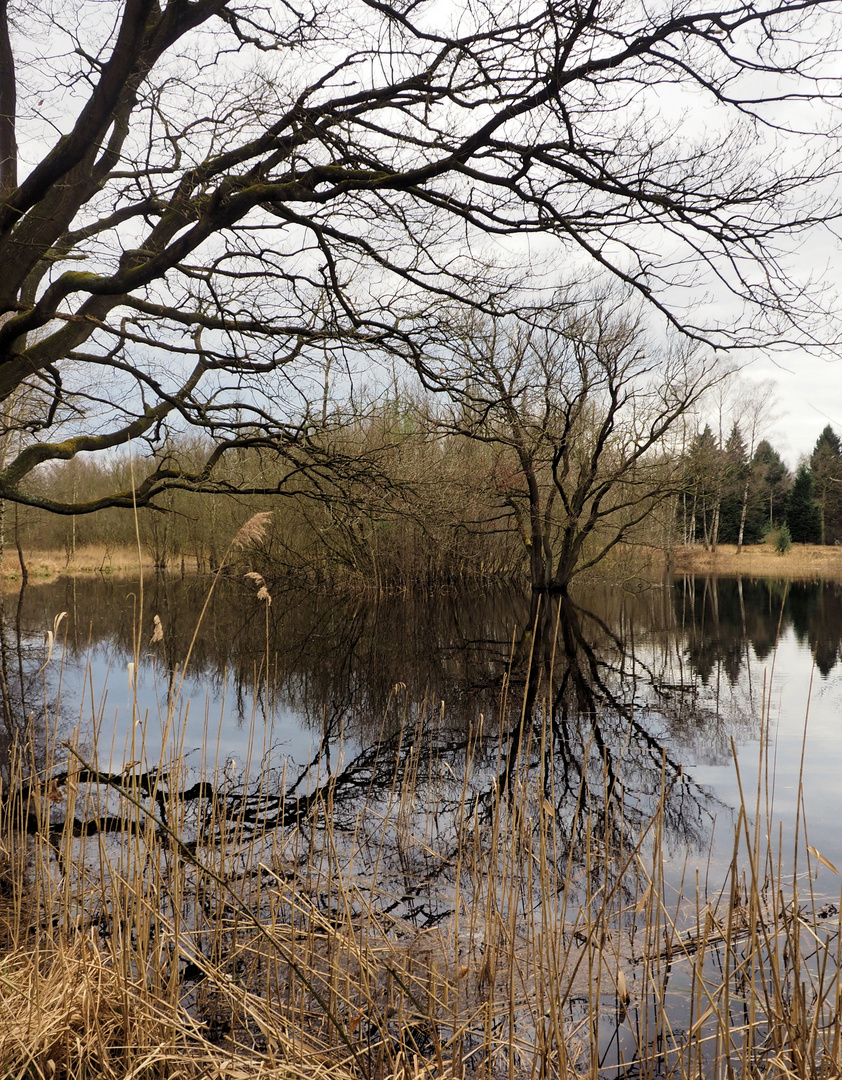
{"x": 743, "y": 511}
{"x": 8, "y": 107}
{"x": 24, "y": 573}
{"x": 671, "y": 532}
{"x": 717, "y": 501}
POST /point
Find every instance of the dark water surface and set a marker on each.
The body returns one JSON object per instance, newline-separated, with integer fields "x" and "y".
{"x": 610, "y": 703}
{"x": 653, "y": 685}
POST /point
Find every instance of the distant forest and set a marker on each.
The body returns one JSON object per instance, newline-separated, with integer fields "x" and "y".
{"x": 404, "y": 505}
{"x": 733, "y": 498}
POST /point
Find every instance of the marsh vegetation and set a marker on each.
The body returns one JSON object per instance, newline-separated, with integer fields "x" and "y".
{"x": 482, "y": 865}
{"x": 315, "y": 811}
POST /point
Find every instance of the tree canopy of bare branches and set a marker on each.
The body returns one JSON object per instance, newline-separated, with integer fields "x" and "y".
{"x": 206, "y": 204}
{"x": 577, "y": 414}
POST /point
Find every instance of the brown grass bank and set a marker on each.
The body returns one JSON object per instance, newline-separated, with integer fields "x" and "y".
{"x": 47, "y": 565}
{"x": 802, "y": 561}
{"x": 627, "y": 563}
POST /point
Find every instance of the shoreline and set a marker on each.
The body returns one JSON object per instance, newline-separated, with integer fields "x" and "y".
{"x": 44, "y": 566}
{"x": 806, "y": 562}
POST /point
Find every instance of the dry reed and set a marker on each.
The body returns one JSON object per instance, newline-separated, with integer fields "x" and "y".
{"x": 155, "y": 925}
{"x": 806, "y": 562}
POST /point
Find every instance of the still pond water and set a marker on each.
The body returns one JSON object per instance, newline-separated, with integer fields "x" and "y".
{"x": 603, "y": 705}
{"x": 652, "y": 688}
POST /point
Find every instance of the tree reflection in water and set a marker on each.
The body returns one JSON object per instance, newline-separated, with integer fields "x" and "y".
{"x": 725, "y": 618}
{"x": 491, "y": 768}
{"x": 28, "y": 694}
{"x": 431, "y": 722}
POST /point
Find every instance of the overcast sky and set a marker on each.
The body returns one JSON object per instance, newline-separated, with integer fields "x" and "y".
{"x": 809, "y": 396}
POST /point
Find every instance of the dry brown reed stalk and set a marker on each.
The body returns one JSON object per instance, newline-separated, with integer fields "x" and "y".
{"x": 225, "y": 933}
{"x": 250, "y": 532}
{"x": 494, "y": 995}
{"x": 75, "y": 1016}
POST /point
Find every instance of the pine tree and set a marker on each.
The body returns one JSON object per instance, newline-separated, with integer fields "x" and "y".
{"x": 826, "y": 467}
{"x": 803, "y": 515}
{"x": 703, "y": 463}
{"x": 767, "y": 497}
{"x": 736, "y": 467}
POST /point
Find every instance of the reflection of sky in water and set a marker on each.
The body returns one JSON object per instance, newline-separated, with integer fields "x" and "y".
{"x": 206, "y": 726}
{"x": 790, "y": 702}
{"x": 696, "y": 683}
{"x": 457, "y": 650}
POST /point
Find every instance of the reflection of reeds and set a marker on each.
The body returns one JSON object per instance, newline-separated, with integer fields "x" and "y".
{"x": 158, "y": 925}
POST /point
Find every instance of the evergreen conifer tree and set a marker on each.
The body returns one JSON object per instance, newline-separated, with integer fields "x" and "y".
{"x": 802, "y": 511}
{"x": 736, "y": 466}
{"x": 770, "y": 486}
{"x": 702, "y": 471}
{"x": 826, "y": 467}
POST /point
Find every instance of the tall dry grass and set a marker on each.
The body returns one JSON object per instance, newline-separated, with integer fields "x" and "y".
{"x": 159, "y": 924}
{"x": 806, "y": 562}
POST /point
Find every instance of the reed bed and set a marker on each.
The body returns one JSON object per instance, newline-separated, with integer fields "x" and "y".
{"x": 164, "y": 921}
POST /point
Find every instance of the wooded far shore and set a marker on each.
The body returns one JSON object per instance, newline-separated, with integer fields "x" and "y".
{"x": 634, "y": 563}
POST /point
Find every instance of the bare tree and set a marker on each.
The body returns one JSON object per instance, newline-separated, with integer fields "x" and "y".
{"x": 757, "y": 408}
{"x": 579, "y": 411}
{"x": 200, "y": 200}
